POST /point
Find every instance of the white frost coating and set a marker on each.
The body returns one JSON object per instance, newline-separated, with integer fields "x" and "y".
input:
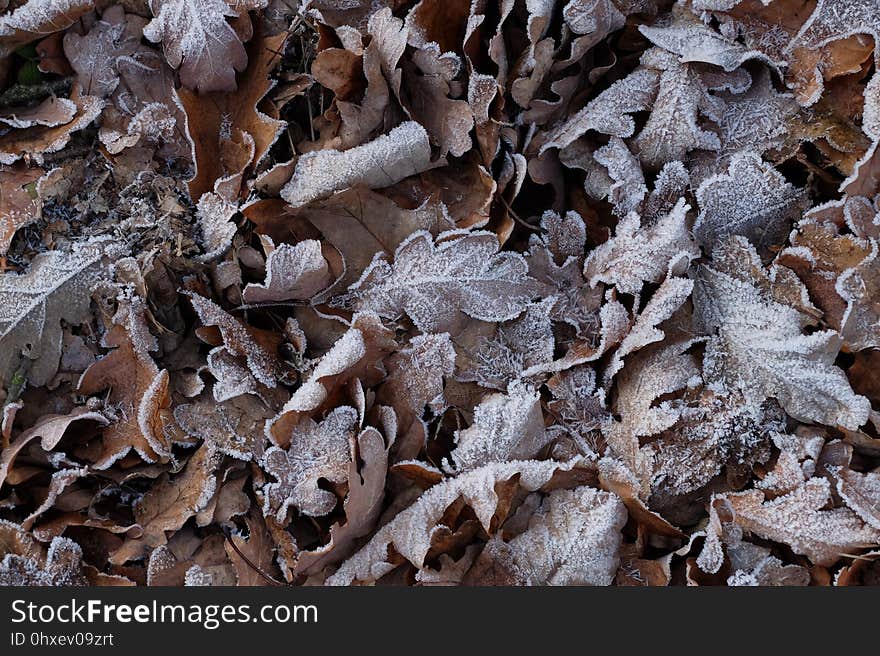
{"x": 859, "y": 287}
{"x": 390, "y": 158}
{"x": 38, "y": 17}
{"x": 60, "y": 566}
{"x": 596, "y": 17}
{"x": 673, "y": 128}
{"x": 628, "y": 188}
{"x": 759, "y": 347}
{"x": 833, "y": 20}
{"x": 214, "y": 214}
{"x": 237, "y": 340}
{"x": 505, "y": 427}
{"x": 756, "y": 120}
{"x": 32, "y": 305}
{"x": 573, "y": 539}
{"x": 638, "y": 254}
{"x": 797, "y": 519}
{"x": 146, "y": 413}
{"x": 316, "y": 451}
{"x": 693, "y": 41}
{"x": 514, "y": 346}
{"x": 609, "y": 112}
{"x": 60, "y": 480}
{"x": 463, "y": 273}
{"x": 657, "y": 373}
{"x": 295, "y": 272}
{"x": 409, "y": 533}
{"x": 94, "y": 55}
{"x": 665, "y": 301}
{"x": 416, "y": 373}
{"x": 751, "y": 199}
{"x": 347, "y": 350}
{"x": 232, "y": 377}
{"x": 861, "y": 492}
{"x": 234, "y": 429}
{"x": 54, "y": 139}
{"x": 196, "y": 38}
{"x": 51, "y": 112}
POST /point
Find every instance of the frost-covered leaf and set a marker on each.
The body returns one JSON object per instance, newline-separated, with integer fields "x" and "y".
{"x": 233, "y": 428}
{"x": 694, "y": 41}
{"x": 230, "y": 132}
{"x": 295, "y": 272}
{"x": 714, "y": 433}
{"x": 390, "y": 158}
{"x": 832, "y": 21}
{"x": 494, "y": 355}
{"x": 357, "y": 354}
{"x": 861, "y": 492}
{"x": 759, "y": 347}
{"x": 366, "y": 490}
{"x": 415, "y": 379}
{"x": 668, "y": 298}
{"x": 572, "y": 539}
{"x": 436, "y": 285}
{"x": 143, "y": 110}
{"x": 799, "y": 520}
{"x": 138, "y": 389}
{"x": 56, "y": 288}
{"x": 30, "y": 564}
{"x": 169, "y": 503}
{"x": 819, "y": 255}
{"x": 94, "y": 55}
{"x": 199, "y": 41}
{"x": 860, "y": 288}
{"x": 214, "y": 214}
{"x": 40, "y": 139}
{"x": 653, "y": 374}
{"x": 252, "y": 347}
{"x": 673, "y": 129}
{"x": 49, "y": 429}
{"x": 426, "y": 88}
{"x": 752, "y": 200}
{"x": 36, "y": 18}
{"x": 609, "y": 112}
{"x": 577, "y": 405}
{"x": 317, "y": 451}
{"x": 574, "y": 301}
{"x": 756, "y": 120}
{"x": 638, "y": 253}
{"x": 359, "y": 223}
{"x": 628, "y": 189}
{"x": 505, "y": 427}
{"x": 51, "y": 112}
{"x": 410, "y": 532}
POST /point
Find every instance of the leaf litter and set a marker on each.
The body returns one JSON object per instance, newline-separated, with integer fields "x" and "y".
{"x": 529, "y": 294}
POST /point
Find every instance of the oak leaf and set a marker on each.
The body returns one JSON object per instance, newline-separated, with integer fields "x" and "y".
{"x": 572, "y": 539}
{"x": 316, "y": 451}
{"x": 402, "y": 152}
{"x": 36, "y": 18}
{"x": 436, "y": 285}
{"x": 56, "y": 288}
{"x": 138, "y": 389}
{"x": 758, "y": 345}
{"x": 198, "y": 40}
{"x": 410, "y": 532}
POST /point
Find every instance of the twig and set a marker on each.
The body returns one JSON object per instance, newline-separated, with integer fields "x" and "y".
{"x": 270, "y": 579}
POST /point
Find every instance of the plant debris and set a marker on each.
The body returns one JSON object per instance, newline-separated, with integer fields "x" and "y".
{"x": 312, "y": 292}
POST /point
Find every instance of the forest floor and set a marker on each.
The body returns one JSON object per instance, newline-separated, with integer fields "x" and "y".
{"x": 439, "y": 292}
